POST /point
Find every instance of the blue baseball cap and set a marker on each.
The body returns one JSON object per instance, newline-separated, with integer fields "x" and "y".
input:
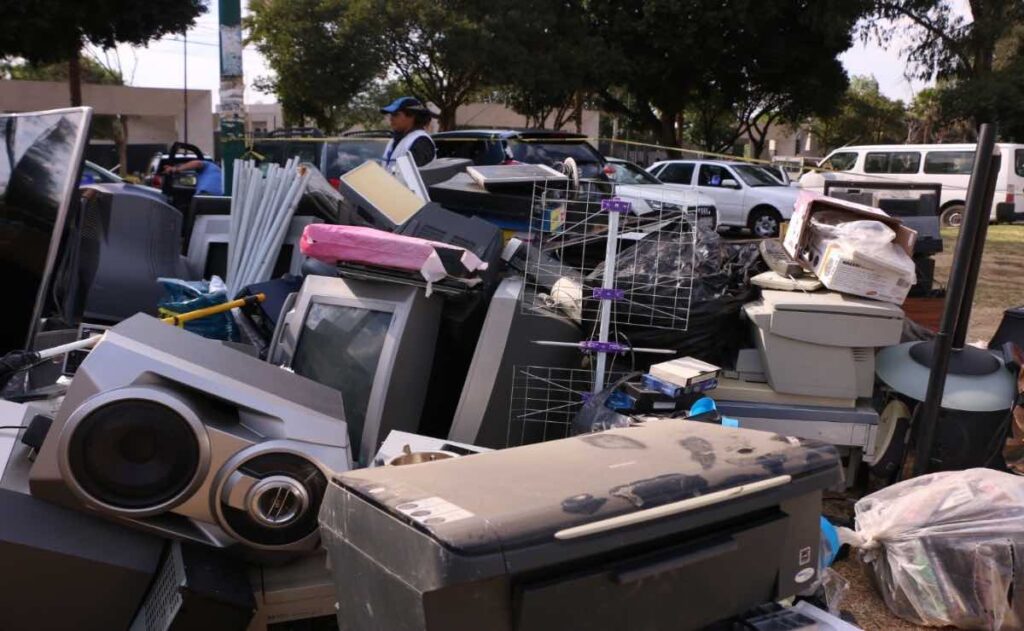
{"x": 406, "y": 103}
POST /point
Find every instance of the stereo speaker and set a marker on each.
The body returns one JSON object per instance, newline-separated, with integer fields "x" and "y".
{"x": 186, "y": 437}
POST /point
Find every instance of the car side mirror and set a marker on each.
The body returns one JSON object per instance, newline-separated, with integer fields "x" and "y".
{"x": 730, "y": 183}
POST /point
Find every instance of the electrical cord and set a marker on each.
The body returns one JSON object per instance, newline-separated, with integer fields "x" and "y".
{"x": 18, "y": 427}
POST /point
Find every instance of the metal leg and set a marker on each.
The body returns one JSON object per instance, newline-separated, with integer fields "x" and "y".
{"x": 853, "y": 465}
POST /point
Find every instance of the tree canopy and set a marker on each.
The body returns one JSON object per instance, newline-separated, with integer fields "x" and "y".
{"x": 319, "y": 57}
{"x": 864, "y": 116}
{"x": 647, "y": 61}
{"x": 976, "y": 58}
{"x": 51, "y": 31}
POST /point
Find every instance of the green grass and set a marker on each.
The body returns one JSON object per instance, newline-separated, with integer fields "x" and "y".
{"x": 1000, "y": 282}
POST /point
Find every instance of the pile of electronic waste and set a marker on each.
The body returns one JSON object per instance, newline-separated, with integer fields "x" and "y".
{"x": 393, "y": 414}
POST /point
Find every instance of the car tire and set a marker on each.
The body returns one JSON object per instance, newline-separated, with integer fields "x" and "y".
{"x": 952, "y": 216}
{"x": 765, "y": 222}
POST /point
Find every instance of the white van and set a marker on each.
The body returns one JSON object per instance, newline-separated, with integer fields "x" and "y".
{"x": 948, "y": 165}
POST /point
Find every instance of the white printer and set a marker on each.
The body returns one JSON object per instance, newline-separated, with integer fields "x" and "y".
{"x": 822, "y": 343}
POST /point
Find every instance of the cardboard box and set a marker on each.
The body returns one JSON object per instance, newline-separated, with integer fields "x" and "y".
{"x": 857, "y": 273}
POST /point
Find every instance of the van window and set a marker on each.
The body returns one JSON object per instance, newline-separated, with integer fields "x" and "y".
{"x": 894, "y": 162}
{"x": 842, "y": 161}
{"x": 1018, "y": 162}
{"x": 948, "y": 162}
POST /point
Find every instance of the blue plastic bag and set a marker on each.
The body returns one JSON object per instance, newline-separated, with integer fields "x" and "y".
{"x": 182, "y": 296}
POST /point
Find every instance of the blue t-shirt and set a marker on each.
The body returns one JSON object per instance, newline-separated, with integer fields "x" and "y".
{"x": 209, "y": 180}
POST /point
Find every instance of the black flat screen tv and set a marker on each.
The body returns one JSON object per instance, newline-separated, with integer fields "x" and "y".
{"x": 40, "y": 159}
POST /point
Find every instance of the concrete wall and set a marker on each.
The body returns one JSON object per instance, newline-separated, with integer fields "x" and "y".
{"x": 263, "y": 117}
{"x": 268, "y": 117}
{"x": 156, "y": 114}
{"x": 497, "y": 115}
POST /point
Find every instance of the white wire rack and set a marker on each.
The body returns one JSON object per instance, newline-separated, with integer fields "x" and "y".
{"x": 652, "y": 253}
{"x": 545, "y": 401}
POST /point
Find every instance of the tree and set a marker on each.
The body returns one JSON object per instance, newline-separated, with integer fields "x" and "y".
{"x": 864, "y": 115}
{"x": 363, "y": 110}
{"x": 754, "y": 59}
{"x": 52, "y": 31}
{"x": 550, "y": 61}
{"x": 441, "y": 49}
{"x": 92, "y": 72}
{"x": 944, "y": 45}
{"x": 321, "y": 58}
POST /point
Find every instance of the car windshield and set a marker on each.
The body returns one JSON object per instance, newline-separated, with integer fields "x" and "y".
{"x": 629, "y": 173}
{"x": 755, "y": 176}
{"x": 773, "y": 172}
{"x": 342, "y": 156}
{"x": 553, "y": 152}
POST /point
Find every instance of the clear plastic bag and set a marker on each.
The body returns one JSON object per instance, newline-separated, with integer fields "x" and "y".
{"x": 947, "y": 548}
{"x": 864, "y": 237}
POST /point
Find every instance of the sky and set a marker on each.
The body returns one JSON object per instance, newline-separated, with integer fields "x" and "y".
{"x": 162, "y": 63}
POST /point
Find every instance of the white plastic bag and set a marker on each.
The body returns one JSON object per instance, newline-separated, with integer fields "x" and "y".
{"x": 947, "y": 548}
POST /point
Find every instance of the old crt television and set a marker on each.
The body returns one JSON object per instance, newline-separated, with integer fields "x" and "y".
{"x": 40, "y": 157}
{"x": 374, "y": 342}
{"x": 208, "y": 247}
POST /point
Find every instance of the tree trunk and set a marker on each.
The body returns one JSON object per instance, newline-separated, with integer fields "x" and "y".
{"x": 446, "y": 117}
{"x": 122, "y": 143}
{"x": 579, "y": 112}
{"x": 667, "y": 133}
{"x": 75, "y": 78}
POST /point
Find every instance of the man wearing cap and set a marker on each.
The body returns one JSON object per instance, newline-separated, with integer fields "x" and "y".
{"x": 409, "y": 119}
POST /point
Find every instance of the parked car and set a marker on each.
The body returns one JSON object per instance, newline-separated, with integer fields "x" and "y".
{"x": 154, "y": 175}
{"x": 949, "y": 165}
{"x": 179, "y": 188}
{"x": 745, "y": 195}
{"x": 551, "y": 148}
{"x": 501, "y": 146}
{"x": 640, "y": 187}
{"x": 93, "y": 173}
{"x": 354, "y": 148}
{"x": 281, "y": 145}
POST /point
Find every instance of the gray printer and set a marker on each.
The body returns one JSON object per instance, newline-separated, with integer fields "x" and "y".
{"x": 668, "y": 525}
{"x": 822, "y": 343}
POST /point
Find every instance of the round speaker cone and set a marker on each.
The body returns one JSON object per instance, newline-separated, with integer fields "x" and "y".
{"x": 133, "y": 454}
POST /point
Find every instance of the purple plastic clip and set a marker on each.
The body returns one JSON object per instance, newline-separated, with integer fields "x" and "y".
{"x": 616, "y": 205}
{"x": 600, "y": 293}
{"x": 603, "y": 347}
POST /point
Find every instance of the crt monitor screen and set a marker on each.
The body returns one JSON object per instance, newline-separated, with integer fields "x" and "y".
{"x": 40, "y": 156}
{"x": 340, "y": 346}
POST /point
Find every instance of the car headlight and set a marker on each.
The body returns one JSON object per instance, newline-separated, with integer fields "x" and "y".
{"x": 660, "y": 206}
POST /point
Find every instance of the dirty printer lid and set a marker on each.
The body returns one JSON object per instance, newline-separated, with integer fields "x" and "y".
{"x": 829, "y": 302}
{"x": 523, "y": 496}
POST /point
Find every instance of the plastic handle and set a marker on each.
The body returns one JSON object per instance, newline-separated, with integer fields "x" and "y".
{"x": 674, "y": 508}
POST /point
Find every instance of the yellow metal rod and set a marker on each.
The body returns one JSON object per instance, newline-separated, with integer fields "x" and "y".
{"x": 182, "y": 318}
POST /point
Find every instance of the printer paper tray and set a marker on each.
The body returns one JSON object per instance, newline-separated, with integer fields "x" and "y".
{"x": 725, "y": 570}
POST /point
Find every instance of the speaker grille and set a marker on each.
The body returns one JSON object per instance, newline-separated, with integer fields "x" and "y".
{"x": 133, "y": 454}
{"x": 301, "y": 472}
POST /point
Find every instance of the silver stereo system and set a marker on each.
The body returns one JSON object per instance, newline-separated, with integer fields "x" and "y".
{"x": 184, "y": 436}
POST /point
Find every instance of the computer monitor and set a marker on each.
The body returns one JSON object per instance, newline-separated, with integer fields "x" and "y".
{"x": 40, "y": 158}
{"x": 208, "y": 247}
{"x": 506, "y": 341}
{"x": 374, "y": 342}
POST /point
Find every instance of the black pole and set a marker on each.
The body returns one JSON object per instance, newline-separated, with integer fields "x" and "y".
{"x": 963, "y": 321}
{"x": 976, "y": 215}
{"x": 184, "y": 90}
